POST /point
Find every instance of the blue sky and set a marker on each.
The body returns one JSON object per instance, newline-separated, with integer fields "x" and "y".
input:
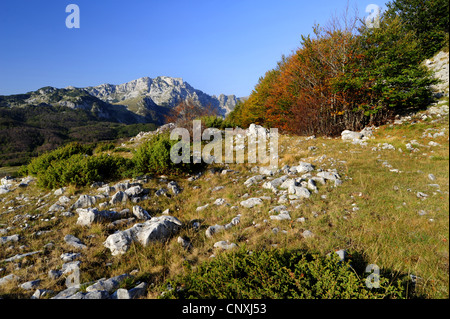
{"x": 217, "y": 46}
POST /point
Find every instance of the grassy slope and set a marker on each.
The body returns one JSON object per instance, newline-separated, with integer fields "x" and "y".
{"x": 386, "y": 230}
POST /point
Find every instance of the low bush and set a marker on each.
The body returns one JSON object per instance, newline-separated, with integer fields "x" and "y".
{"x": 75, "y": 165}
{"x": 278, "y": 275}
{"x": 103, "y": 147}
{"x": 153, "y": 157}
{"x": 44, "y": 161}
{"x": 213, "y": 121}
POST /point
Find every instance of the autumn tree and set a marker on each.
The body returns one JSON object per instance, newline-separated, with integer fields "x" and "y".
{"x": 187, "y": 111}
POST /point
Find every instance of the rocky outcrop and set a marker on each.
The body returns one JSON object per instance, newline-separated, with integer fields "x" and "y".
{"x": 439, "y": 64}
{"x": 156, "y": 229}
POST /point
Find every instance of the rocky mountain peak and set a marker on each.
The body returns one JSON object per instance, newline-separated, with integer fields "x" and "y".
{"x": 162, "y": 91}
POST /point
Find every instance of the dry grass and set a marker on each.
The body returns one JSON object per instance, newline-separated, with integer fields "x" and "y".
{"x": 386, "y": 228}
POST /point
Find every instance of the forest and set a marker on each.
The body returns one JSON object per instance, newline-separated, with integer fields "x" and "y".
{"x": 346, "y": 75}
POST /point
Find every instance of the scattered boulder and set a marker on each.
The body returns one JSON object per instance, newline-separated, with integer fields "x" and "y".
{"x": 74, "y": 242}
{"x": 119, "y": 198}
{"x": 212, "y": 230}
{"x": 134, "y": 191}
{"x": 133, "y": 293}
{"x": 283, "y": 215}
{"x": 267, "y": 171}
{"x": 56, "y": 208}
{"x": 30, "y": 284}
{"x": 9, "y": 239}
{"x": 40, "y": 293}
{"x": 273, "y": 184}
{"x": 108, "y": 285}
{"x": 156, "y": 229}
{"x": 173, "y": 186}
{"x": 307, "y": 234}
{"x": 59, "y": 191}
{"x": 141, "y": 213}
{"x": 67, "y": 293}
{"x": 302, "y": 168}
{"x": 90, "y": 215}
{"x": 299, "y": 191}
{"x": 219, "y": 202}
{"x": 200, "y": 208}
{"x": 8, "y": 278}
{"x": 66, "y": 257}
{"x": 329, "y": 175}
{"x": 84, "y": 201}
{"x": 225, "y": 245}
{"x": 184, "y": 242}
{"x": 251, "y": 202}
{"x": 253, "y": 180}
{"x": 20, "y": 256}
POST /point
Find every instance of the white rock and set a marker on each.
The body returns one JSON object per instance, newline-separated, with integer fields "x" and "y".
{"x": 30, "y": 284}
{"x": 219, "y": 201}
{"x": 9, "y": 239}
{"x": 140, "y": 213}
{"x": 87, "y": 216}
{"x": 350, "y": 135}
{"x": 253, "y": 180}
{"x": 119, "y": 198}
{"x": 328, "y": 175}
{"x": 200, "y": 208}
{"x": 134, "y": 191}
{"x": 251, "y": 202}
{"x": 284, "y": 215}
{"x": 85, "y": 201}
{"x": 7, "y": 279}
{"x": 224, "y": 245}
{"x": 212, "y": 230}
{"x": 156, "y": 229}
{"x": 300, "y": 192}
{"x": 60, "y": 191}
{"x": 307, "y": 234}
{"x": 273, "y": 184}
{"x": 74, "y": 242}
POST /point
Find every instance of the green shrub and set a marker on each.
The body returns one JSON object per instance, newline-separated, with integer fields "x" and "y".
{"x": 82, "y": 170}
{"x": 74, "y": 164}
{"x": 103, "y": 147}
{"x": 42, "y": 162}
{"x": 217, "y": 122}
{"x": 277, "y": 274}
{"x": 154, "y": 157}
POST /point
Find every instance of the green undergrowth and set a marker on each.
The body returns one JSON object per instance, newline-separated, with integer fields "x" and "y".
{"x": 281, "y": 274}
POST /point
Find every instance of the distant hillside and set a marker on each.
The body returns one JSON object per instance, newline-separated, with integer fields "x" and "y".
{"x": 37, "y": 121}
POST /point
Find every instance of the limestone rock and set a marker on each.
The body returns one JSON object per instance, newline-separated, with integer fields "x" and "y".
{"x": 90, "y": 215}
{"x": 119, "y": 198}
{"x": 84, "y": 201}
{"x": 251, "y": 202}
{"x": 74, "y": 242}
{"x": 224, "y": 245}
{"x": 156, "y": 229}
{"x": 140, "y": 213}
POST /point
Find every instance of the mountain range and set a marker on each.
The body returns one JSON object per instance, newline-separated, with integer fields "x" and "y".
{"x": 42, "y": 120}
{"x": 144, "y": 100}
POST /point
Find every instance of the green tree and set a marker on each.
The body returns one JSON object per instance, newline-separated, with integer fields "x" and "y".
{"x": 390, "y": 68}
{"x": 427, "y": 19}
